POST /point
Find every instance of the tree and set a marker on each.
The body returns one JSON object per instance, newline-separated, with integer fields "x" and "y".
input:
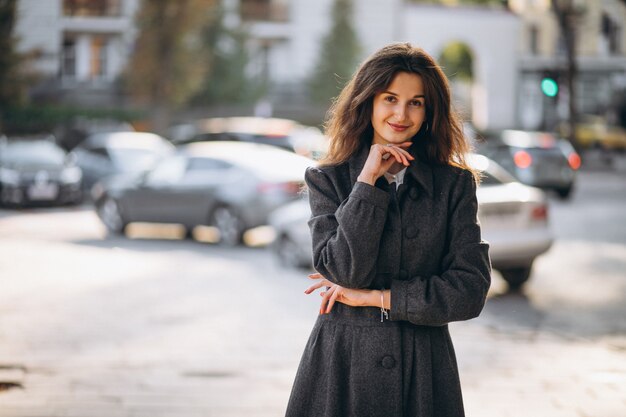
{"x": 12, "y": 85}
{"x": 456, "y": 61}
{"x": 338, "y": 57}
{"x": 226, "y": 56}
{"x": 167, "y": 65}
{"x": 568, "y": 14}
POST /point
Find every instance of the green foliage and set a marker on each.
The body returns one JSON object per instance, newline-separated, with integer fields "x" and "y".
{"x": 38, "y": 119}
{"x": 226, "y": 57}
{"x": 339, "y": 54}
{"x": 456, "y": 61}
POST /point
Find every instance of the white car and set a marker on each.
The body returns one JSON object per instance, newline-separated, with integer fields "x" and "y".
{"x": 513, "y": 217}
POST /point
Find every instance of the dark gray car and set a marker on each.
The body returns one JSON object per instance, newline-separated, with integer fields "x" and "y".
{"x": 36, "y": 171}
{"x": 538, "y": 159}
{"x": 232, "y": 186}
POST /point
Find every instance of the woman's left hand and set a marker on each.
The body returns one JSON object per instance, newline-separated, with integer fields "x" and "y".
{"x": 348, "y": 296}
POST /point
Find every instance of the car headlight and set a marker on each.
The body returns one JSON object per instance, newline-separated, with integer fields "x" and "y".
{"x": 71, "y": 175}
{"x": 9, "y": 176}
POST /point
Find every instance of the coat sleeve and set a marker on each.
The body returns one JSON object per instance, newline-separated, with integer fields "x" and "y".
{"x": 459, "y": 292}
{"x": 346, "y": 234}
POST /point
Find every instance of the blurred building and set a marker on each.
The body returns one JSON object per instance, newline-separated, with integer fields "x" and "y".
{"x": 286, "y": 37}
{"x": 601, "y": 59}
{"x": 82, "y": 47}
{"x": 85, "y": 44}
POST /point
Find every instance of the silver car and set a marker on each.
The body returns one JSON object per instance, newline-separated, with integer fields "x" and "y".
{"x": 513, "y": 219}
{"x": 228, "y": 185}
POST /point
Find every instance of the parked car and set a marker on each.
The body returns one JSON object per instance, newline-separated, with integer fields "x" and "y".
{"x": 595, "y": 133}
{"x": 104, "y": 154}
{"x": 232, "y": 186}
{"x": 284, "y": 133}
{"x": 37, "y": 171}
{"x": 72, "y": 133}
{"x": 513, "y": 219}
{"x": 538, "y": 159}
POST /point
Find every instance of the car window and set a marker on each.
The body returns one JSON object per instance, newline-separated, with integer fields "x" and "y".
{"x": 276, "y": 140}
{"x": 169, "y": 171}
{"x": 101, "y": 152}
{"x": 134, "y": 159}
{"x": 203, "y": 171}
{"x": 205, "y": 164}
{"x": 488, "y": 179}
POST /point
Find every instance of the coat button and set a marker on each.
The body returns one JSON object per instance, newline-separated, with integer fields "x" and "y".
{"x": 411, "y": 232}
{"x": 388, "y": 362}
{"x": 403, "y": 274}
{"x": 413, "y": 193}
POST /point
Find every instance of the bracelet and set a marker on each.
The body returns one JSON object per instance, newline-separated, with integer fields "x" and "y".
{"x": 383, "y": 311}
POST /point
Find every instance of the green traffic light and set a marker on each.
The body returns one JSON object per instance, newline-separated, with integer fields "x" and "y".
{"x": 549, "y": 87}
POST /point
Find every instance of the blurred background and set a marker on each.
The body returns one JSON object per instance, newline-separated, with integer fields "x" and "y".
{"x": 154, "y": 244}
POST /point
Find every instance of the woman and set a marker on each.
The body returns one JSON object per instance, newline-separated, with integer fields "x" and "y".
{"x": 397, "y": 246}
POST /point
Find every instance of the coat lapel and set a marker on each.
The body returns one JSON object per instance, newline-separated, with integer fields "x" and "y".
{"x": 356, "y": 163}
{"x": 419, "y": 169}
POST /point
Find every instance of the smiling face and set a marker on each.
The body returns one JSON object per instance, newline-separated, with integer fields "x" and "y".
{"x": 399, "y": 111}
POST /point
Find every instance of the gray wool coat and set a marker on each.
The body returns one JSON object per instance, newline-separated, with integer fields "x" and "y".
{"x": 423, "y": 242}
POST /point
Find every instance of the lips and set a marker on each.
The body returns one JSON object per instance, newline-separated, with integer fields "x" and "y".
{"x": 397, "y": 128}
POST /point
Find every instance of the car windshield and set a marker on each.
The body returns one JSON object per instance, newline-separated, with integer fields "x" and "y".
{"x": 491, "y": 173}
{"x": 133, "y": 159}
{"x": 280, "y": 165}
{"x": 281, "y": 141}
{"x": 32, "y": 153}
{"x": 268, "y": 162}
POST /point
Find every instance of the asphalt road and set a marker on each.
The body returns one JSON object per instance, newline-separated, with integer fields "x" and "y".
{"x": 98, "y": 326}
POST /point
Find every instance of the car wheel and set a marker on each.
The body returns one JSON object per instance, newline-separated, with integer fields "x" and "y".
{"x": 109, "y": 213}
{"x": 516, "y": 277}
{"x": 288, "y": 254}
{"x": 229, "y": 225}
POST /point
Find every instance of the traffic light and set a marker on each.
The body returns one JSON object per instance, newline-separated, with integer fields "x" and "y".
{"x": 550, "y": 84}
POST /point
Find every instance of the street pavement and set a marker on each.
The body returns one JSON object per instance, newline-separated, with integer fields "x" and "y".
{"x": 94, "y": 326}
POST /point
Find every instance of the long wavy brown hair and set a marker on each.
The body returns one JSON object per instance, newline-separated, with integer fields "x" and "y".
{"x": 440, "y": 139}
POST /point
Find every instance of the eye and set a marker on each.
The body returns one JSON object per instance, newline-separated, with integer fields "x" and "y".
{"x": 416, "y": 103}
{"x": 390, "y": 99}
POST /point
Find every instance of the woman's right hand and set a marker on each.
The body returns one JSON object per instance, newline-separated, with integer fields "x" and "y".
{"x": 378, "y": 163}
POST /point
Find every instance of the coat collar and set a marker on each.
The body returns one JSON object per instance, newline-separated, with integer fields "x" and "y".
{"x": 419, "y": 169}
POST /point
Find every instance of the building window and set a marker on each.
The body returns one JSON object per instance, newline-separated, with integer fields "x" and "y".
{"x": 611, "y": 32}
{"x": 533, "y": 39}
{"x": 92, "y": 8}
{"x": 98, "y": 58}
{"x": 68, "y": 59}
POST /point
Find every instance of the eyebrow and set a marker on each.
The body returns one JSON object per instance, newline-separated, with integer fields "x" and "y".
{"x": 394, "y": 94}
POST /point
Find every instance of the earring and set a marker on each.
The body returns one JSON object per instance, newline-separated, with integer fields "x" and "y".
{"x": 426, "y": 130}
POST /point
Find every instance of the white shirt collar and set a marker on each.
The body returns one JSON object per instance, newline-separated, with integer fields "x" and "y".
{"x": 398, "y": 178}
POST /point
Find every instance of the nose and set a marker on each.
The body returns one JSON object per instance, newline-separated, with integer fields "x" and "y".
{"x": 400, "y": 112}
